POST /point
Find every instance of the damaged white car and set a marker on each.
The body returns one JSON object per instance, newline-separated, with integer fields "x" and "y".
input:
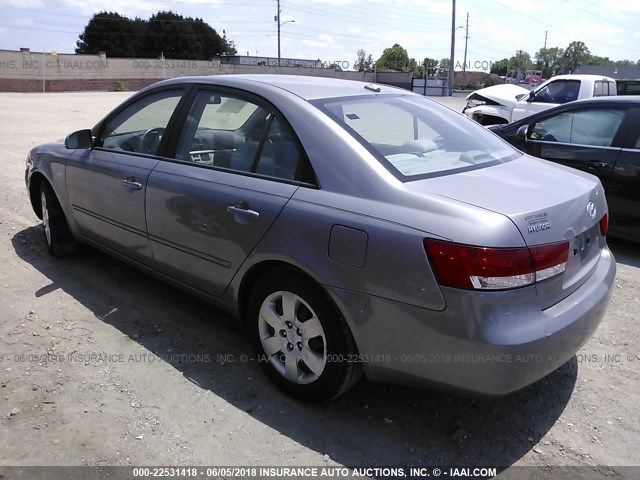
{"x": 507, "y": 103}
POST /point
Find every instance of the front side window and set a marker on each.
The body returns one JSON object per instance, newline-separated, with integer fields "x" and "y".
{"x": 596, "y": 127}
{"x": 560, "y": 91}
{"x": 415, "y": 137}
{"x": 140, "y": 126}
{"x": 228, "y": 131}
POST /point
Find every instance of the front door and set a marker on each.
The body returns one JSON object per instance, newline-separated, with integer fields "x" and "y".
{"x": 586, "y": 139}
{"x": 107, "y": 184}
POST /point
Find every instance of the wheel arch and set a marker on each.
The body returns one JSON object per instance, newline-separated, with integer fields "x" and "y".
{"x": 253, "y": 274}
{"x": 35, "y": 184}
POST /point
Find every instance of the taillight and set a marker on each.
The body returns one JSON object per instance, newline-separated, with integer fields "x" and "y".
{"x": 604, "y": 225}
{"x": 481, "y": 268}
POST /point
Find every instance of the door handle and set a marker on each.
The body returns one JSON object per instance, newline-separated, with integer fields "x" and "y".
{"x": 244, "y": 212}
{"x": 597, "y": 165}
{"x": 131, "y": 182}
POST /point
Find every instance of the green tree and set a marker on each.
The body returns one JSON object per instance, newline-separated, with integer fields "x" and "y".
{"x": 596, "y": 60}
{"x": 415, "y": 68}
{"x": 164, "y": 33}
{"x": 364, "y": 62}
{"x": 501, "y": 67}
{"x": 521, "y": 60}
{"x": 575, "y": 54}
{"x": 230, "y": 45}
{"x": 175, "y": 36}
{"x": 112, "y": 33}
{"x": 443, "y": 67}
{"x": 430, "y": 66}
{"x": 394, "y": 58}
{"x": 549, "y": 60}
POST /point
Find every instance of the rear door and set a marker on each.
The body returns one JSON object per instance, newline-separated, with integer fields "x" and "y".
{"x": 107, "y": 184}
{"x": 623, "y": 190}
{"x": 236, "y": 165}
{"x": 588, "y": 139}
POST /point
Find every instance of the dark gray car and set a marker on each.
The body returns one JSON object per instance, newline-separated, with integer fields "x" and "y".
{"x": 599, "y": 136}
{"x": 356, "y": 228}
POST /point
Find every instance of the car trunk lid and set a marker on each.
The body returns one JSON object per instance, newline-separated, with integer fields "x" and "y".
{"x": 546, "y": 205}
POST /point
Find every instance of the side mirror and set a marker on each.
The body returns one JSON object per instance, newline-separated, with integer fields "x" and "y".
{"x": 79, "y": 140}
{"x": 522, "y": 132}
{"x": 532, "y": 96}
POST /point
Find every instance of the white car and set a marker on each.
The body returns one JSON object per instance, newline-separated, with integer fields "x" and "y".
{"x": 501, "y": 104}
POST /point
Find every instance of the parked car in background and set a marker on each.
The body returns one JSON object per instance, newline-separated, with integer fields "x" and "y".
{"x": 353, "y": 227}
{"x": 599, "y": 136}
{"x": 502, "y": 104}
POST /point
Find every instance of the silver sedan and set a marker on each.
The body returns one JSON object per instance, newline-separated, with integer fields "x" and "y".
{"x": 355, "y": 228}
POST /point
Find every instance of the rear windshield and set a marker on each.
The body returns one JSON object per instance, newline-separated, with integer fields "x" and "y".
{"x": 417, "y": 138}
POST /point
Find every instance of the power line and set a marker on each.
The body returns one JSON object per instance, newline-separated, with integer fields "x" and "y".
{"x": 559, "y": 29}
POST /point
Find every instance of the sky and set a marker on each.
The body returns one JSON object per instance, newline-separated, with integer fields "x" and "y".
{"x": 333, "y": 30}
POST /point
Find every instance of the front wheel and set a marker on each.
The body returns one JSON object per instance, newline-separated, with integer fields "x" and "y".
{"x": 60, "y": 241}
{"x": 302, "y": 341}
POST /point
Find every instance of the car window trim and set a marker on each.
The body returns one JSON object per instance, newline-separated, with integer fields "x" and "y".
{"x": 180, "y": 123}
{"x": 566, "y": 144}
{"x": 99, "y": 128}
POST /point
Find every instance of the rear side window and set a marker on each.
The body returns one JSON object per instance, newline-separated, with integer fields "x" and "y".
{"x": 235, "y": 133}
{"x": 603, "y": 88}
{"x": 415, "y": 137}
{"x": 628, "y": 87}
{"x": 596, "y": 127}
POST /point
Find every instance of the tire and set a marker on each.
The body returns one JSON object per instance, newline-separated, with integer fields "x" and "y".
{"x": 60, "y": 241}
{"x": 302, "y": 341}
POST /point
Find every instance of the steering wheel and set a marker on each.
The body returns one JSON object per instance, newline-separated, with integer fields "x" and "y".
{"x": 150, "y": 140}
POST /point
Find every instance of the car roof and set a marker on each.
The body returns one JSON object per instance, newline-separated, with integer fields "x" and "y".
{"x": 609, "y": 99}
{"x": 303, "y": 86}
{"x": 581, "y": 76}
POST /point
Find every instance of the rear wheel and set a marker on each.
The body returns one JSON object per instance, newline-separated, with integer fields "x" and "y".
{"x": 58, "y": 236}
{"x": 302, "y": 341}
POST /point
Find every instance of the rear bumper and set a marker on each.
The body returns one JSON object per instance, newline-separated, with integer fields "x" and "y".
{"x": 483, "y": 343}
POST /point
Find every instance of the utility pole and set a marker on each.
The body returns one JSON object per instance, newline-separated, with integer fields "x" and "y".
{"x": 545, "y": 39}
{"x": 466, "y": 39}
{"x": 277, "y": 19}
{"x": 453, "y": 46}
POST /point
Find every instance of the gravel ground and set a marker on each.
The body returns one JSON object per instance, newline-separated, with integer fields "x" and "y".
{"x": 96, "y": 369}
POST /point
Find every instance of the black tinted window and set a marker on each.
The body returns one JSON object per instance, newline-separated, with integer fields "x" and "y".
{"x": 560, "y": 91}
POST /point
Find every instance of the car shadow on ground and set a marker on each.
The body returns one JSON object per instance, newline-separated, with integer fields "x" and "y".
{"x": 625, "y": 252}
{"x": 371, "y": 425}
